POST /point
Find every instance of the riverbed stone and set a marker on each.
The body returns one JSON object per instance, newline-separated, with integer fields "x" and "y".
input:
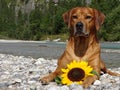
{"x": 97, "y": 82}
{"x": 23, "y": 73}
{"x": 76, "y": 87}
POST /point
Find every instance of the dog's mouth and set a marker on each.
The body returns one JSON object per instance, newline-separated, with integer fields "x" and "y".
{"x": 80, "y": 33}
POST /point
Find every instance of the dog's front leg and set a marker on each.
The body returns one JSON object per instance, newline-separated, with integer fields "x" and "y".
{"x": 90, "y": 79}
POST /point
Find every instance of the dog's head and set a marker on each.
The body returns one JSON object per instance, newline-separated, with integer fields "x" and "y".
{"x": 82, "y": 20}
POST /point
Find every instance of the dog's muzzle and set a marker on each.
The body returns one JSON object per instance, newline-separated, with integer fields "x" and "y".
{"x": 79, "y": 30}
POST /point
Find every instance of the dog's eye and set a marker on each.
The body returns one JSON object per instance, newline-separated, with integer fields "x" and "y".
{"x": 88, "y": 17}
{"x": 74, "y": 17}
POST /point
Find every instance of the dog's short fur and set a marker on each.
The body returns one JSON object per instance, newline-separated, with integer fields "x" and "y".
{"x": 83, "y": 44}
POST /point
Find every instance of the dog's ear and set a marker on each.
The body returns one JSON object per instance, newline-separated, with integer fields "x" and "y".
{"x": 66, "y": 18}
{"x": 99, "y": 19}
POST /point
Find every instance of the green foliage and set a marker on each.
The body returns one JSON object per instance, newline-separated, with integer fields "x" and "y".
{"x": 46, "y": 19}
{"x": 113, "y": 23}
{"x": 58, "y": 80}
{"x": 111, "y": 27}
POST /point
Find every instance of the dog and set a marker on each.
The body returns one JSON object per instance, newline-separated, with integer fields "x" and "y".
{"x": 83, "y": 44}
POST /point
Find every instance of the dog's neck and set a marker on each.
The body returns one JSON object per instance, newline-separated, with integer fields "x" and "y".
{"x": 81, "y": 44}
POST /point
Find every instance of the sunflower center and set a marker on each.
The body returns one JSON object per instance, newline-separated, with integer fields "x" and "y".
{"x": 76, "y": 74}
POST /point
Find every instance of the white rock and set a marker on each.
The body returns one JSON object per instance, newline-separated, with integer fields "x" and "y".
{"x": 76, "y": 87}
{"x": 106, "y": 80}
{"x": 64, "y": 88}
{"x": 52, "y": 87}
{"x": 4, "y": 77}
{"x": 104, "y": 75}
{"x": 117, "y": 88}
{"x": 6, "y": 72}
{"x": 31, "y": 82}
{"x": 97, "y": 82}
{"x": 10, "y": 87}
{"x": 53, "y": 83}
{"x": 117, "y": 79}
{"x": 41, "y": 60}
{"x": 32, "y": 88}
{"x": 39, "y": 88}
{"x": 17, "y": 80}
{"x": 38, "y": 62}
{"x": 108, "y": 85}
{"x": 92, "y": 87}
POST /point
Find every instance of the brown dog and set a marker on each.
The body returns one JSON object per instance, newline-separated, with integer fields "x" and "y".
{"x": 83, "y": 43}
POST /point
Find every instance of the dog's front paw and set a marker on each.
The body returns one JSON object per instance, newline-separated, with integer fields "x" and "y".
{"x": 44, "y": 80}
{"x": 88, "y": 81}
{"x": 86, "y": 84}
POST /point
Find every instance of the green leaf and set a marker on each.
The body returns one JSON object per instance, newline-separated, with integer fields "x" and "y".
{"x": 58, "y": 80}
{"x": 95, "y": 73}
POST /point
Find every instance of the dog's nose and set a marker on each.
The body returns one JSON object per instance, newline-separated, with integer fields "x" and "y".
{"x": 79, "y": 25}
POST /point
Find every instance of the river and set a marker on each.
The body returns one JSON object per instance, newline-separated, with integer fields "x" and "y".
{"x": 53, "y": 50}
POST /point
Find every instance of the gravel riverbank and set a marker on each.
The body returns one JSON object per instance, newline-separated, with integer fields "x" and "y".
{"x": 22, "y": 73}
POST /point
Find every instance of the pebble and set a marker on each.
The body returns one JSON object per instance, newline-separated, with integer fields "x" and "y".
{"x": 97, "y": 82}
{"x": 64, "y": 88}
{"x": 17, "y": 80}
{"x": 23, "y": 73}
{"x": 52, "y": 87}
{"x": 75, "y": 87}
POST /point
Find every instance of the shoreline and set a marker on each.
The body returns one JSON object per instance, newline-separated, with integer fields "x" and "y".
{"x": 16, "y": 40}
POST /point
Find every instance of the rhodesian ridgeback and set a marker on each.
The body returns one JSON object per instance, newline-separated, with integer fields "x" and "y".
{"x": 83, "y": 44}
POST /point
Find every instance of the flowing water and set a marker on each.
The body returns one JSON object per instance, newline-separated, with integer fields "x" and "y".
{"x": 110, "y": 51}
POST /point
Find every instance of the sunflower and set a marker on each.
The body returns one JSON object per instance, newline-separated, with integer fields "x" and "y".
{"x": 76, "y": 72}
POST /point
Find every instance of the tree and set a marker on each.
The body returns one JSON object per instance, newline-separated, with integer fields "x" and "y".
{"x": 111, "y": 9}
{"x": 45, "y": 18}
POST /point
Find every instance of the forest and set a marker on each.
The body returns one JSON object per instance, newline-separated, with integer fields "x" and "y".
{"x": 42, "y": 19}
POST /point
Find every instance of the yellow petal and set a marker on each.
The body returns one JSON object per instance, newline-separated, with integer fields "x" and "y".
{"x": 69, "y": 66}
{"x": 80, "y": 82}
{"x": 64, "y": 75}
{"x": 83, "y": 64}
{"x": 70, "y": 82}
{"x": 90, "y": 74}
{"x": 66, "y": 81}
{"x": 64, "y": 70}
{"x": 88, "y": 70}
{"x": 74, "y": 62}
